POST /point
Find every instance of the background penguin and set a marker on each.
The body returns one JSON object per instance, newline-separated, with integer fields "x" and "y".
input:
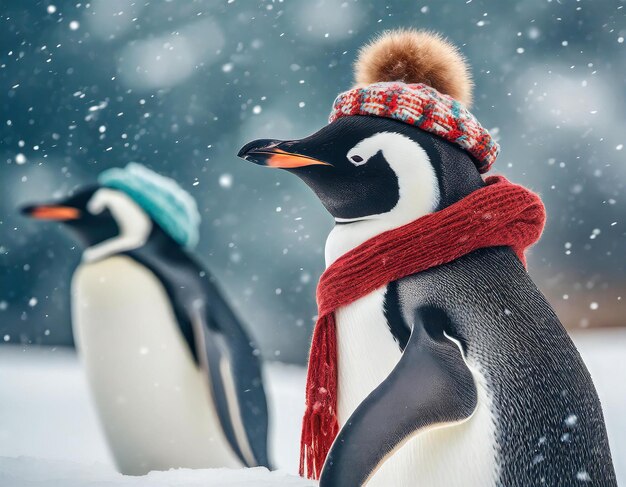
{"x": 174, "y": 376}
{"x": 536, "y": 419}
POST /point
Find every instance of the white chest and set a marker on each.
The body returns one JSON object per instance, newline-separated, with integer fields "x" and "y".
{"x": 366, "y": 349}
{"x": 152, "y": 400}
{"x": 461, "y": 454}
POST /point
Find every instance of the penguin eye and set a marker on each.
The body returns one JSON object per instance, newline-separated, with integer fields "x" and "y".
{"x": 357, "y": 160}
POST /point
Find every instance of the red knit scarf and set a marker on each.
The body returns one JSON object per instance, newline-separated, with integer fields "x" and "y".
{"x": 499, "y": 214}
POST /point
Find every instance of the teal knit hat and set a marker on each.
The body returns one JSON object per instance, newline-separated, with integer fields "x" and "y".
{"x": 170, "y": 206}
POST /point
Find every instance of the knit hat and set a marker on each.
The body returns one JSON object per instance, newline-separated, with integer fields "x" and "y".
{"x": 418, "y": 78}
{"x": 170, "y": 206}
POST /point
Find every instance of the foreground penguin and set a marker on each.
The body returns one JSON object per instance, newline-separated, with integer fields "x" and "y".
{"x": 173, "y": 374}
{"x": 435, "y": 354}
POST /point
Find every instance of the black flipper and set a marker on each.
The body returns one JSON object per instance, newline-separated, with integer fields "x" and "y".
{"x": 241, "y": 376}
{"x": 430, "y": 385}
{"x": 213, "y": 359}
{"x": 218, "y": 342}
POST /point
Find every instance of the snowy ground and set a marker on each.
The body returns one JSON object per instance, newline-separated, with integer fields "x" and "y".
{"x": 49, "y": 434}
{"x": 47, "y": 422}
{"x": 30, "y": 472}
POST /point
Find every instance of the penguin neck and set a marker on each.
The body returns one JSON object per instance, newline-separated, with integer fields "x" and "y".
{"x": 131, "y": 238}
{"x": 133, "y": 223}
{"x": 345, "y": 237}
{"x": 416, "y": 201}
{"x": 418, "y": 194}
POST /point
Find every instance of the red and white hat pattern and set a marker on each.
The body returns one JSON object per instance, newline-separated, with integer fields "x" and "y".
{"x": 426, "y": 108}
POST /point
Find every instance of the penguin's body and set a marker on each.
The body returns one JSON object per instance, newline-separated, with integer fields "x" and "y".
{"x": 382, "y": 321}
{"x": 430, "y": 458}
{"x": 153, "y": 400}
{"x": 476, "y": 450}
{"x": 174, "y": 376}
{"x": 458, "y": 375}
{"x": 537, "y": 420}
{"x": 462, "y": 455}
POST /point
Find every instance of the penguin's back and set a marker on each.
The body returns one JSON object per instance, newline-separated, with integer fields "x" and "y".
{"x": 549, "y": 427}
{"x": 152, "y": 398}
{"x": 538, "y": 419}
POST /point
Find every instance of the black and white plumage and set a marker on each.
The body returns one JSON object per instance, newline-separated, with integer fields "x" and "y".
{"x": 174, "y": 375}
{"x": 460, "y": 375}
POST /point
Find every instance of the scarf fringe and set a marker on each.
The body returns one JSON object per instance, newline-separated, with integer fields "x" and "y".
{"x": 319, "y": 425}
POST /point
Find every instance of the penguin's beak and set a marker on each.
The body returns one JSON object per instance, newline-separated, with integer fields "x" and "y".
{"x": 51, "y": 212}
{"x": 273, "y": 153}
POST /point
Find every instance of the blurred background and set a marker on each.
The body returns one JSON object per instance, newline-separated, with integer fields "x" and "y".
{"x": 180, "y": 85}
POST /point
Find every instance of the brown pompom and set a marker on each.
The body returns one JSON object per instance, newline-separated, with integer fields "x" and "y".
{"x": 415, "y": 56}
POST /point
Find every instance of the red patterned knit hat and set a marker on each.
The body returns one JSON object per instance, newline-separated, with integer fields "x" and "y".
{"x": 421, "y": 79}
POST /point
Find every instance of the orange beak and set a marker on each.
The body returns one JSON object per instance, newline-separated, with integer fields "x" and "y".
{"x": 266, "y": 153}
{"x": 46, "y": 212}
{"x": 285, "y": 160}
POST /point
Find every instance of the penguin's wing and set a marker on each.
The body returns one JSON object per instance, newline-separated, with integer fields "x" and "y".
{"x": 430, "y": 386}
{"x": 215, "y": 357}
{"x": 218, "y": 344}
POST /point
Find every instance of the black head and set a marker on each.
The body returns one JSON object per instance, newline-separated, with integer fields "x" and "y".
{"x": 362, "y": 167}
{"x": 88, "y": 227}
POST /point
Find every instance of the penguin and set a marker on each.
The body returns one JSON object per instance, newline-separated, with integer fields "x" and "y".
{"x": 466, "y": 363}
{"x": 174, "y": 376}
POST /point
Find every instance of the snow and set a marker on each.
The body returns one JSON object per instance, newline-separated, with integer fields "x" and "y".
{"x": 604, "y": 353}
{"x": 48, "y": 423}
{"x": 49, "y": 435}
{"x": 29, "y": 472}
